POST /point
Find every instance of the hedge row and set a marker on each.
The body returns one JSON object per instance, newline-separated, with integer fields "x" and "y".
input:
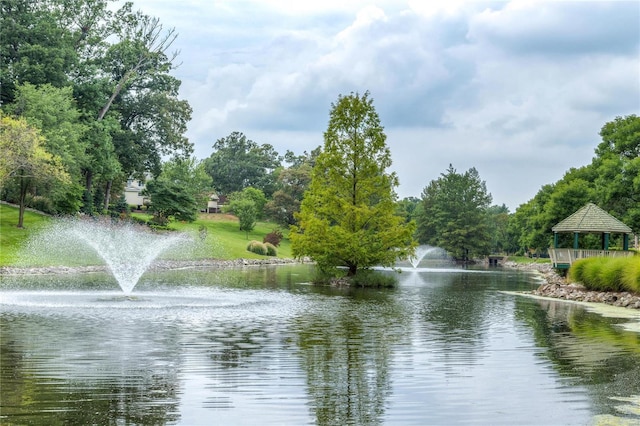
{"x": 607, "y": 274}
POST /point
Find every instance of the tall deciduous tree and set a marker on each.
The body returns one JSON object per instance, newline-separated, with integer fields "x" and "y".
{"x": 454, "y": 214}
{"x": 53, "y": 111}
{"x": 501, "y": 241}
{"x": 238, "y": 162}
{"x": 617, "y": 165}
{"x": 24, "y": 158}
{"x": 285, "y": 202}
{"x": 118, "y": 64}
{"x": 190, "y": 175}
{"x": 347, "y": 217}
{"x": 170, "y": 201}
{"x": 292, "y": 183}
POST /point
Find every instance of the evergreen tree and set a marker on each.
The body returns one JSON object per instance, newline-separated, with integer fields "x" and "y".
{"x": 454, "y": 214}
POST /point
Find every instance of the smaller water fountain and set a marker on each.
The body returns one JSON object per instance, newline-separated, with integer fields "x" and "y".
{"x": 428, "y": 252}
{"x": 127, "y": 249}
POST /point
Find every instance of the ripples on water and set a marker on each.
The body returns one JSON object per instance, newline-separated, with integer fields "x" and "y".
{"x": 261, "y": 345}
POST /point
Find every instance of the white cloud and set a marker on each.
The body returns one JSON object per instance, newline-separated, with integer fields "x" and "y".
{"x": 517, "y": 89}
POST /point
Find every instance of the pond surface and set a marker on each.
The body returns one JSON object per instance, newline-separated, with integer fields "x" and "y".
{"x": 260, "y": 345}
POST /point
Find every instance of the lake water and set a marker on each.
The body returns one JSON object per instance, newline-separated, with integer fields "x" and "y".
{"x": 260, "y": 345}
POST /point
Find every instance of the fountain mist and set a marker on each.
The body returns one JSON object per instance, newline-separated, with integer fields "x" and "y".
{"x": 428, "y": 252}
{"x": 127, "y": 249}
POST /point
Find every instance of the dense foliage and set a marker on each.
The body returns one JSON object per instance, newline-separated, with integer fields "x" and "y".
{"x": 169, "y": 201}
{"x": 347, "y": 217}
{"x": 95, "y": 82}
{"x": 454, "y": 214}
{"x": 611, "y": 181}
{"x": 291, "y": 184}
{"x": 24, "y": 161}
{"x": 238, "y": 163}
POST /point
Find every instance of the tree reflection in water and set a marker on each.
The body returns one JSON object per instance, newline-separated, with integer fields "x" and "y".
{"x": 587, "y": 348}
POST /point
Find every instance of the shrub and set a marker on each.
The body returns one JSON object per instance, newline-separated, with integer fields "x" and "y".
{"x": 611, "y": 273}
{"x": 323, "y": 275}
{"x": 592, "y": 275}
{"x": 576, "y": 272}
{"x": 274, "y": 237}
{"x": 42, "y": 204}
{"x": 373, "y": 279}
{"x": 631, "y": 274}
{"x": 607, "y": 274}
{"x": 271, "y": 249}
{"x": 257, "y": 247}
{"x": 121, "y": 208}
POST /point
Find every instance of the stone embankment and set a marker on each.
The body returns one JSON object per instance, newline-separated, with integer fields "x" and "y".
{"x": 157, "y": 265}
{"x": 558, "y": 287}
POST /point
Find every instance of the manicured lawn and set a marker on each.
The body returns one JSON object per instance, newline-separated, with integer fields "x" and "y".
{"x": 217, "y": 236}
{"x": 13, "y": 238}
{"x": 224, "y": 240}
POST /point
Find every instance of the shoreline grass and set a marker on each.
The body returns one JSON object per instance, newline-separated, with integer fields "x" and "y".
{"x": 607, "y": 274}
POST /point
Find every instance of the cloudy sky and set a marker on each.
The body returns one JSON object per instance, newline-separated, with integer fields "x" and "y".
{"x": 517, "y": 89}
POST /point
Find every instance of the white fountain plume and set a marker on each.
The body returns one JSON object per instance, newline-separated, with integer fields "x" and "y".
{"x": 431, "y": 252}
{"x": 126, "y": 248}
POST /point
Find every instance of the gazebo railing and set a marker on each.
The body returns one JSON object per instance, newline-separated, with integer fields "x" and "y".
{"x": 566, "y": 256}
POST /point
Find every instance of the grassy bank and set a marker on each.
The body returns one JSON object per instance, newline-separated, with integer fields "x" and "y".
{"x": 218, "y": 236}
{"x": 224, "y": 240}
{"x": 13, "y": 238}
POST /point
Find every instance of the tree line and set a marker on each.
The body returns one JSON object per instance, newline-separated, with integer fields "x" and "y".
{"x": 88, "y": 102}
{"x": 95, "y": 86}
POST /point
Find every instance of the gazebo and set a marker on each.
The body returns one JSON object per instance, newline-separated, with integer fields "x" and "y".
{"x": 589, "y": 219}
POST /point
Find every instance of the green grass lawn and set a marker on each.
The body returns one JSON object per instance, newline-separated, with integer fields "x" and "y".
{"x": 13, "y": 238}
{"x": 224, "y": 240}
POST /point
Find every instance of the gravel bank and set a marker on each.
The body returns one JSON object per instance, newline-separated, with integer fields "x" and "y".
{"x": 557, "y": 287}
{"x": 157, "y": 265}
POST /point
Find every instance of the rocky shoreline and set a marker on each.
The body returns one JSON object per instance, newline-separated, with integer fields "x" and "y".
{"x": 557, "y": 287}
{"x": 157, "y": 265}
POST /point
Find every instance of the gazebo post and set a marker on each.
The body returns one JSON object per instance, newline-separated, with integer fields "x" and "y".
{"x": 555, "y": 240}
{"x": 605, "y": 241}
{"x": 575, "y": 240}
{"x": 625, "y": 242}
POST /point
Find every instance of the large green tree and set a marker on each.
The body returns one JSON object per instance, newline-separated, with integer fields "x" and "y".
{"x": 454, "y": 214}
{"x": 347, "y": 217}
{"x": 25, "y": 160}
{"x": 170, "y": 201}
{"x": 292, "y": 182}
{"x": 53, "y": 111}
{"x": 117, "y": 62}
{"x": 190, "y": 175}
{"x": 238, "y": 162}
{"x": 501, "y": 240}
{"x": 617, "y": 167}
{"x": 612, "y": 181}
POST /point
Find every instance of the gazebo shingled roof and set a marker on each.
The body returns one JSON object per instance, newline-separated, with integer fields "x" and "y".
{"x": 591, "y": 218}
